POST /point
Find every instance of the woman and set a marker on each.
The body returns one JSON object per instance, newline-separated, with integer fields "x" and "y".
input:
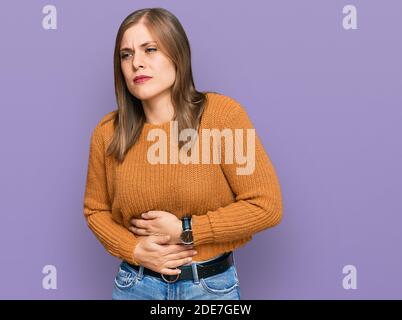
{"x": 172, "y": 208}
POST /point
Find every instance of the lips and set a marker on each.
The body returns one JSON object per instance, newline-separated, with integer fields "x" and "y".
{"x": 140, "y": 79}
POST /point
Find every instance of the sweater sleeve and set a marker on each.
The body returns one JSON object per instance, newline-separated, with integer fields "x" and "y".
{"x": 116, "y": 239}
{"x": 258, "y": 200}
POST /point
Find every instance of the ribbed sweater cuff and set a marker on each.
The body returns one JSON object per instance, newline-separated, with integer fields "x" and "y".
{"x": 127, "y": 250}
{"x": 202, "y": 229}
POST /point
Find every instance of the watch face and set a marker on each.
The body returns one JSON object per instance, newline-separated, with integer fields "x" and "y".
{"x": 187, "y": 236}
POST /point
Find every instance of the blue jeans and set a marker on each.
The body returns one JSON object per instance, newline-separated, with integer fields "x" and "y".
{"x": 130, "y": 284}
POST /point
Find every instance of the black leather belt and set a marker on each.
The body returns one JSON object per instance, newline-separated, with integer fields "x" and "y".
{"x": 204, "y": 269}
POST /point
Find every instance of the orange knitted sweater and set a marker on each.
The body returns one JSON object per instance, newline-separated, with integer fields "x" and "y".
{"x": 227, "y": 208}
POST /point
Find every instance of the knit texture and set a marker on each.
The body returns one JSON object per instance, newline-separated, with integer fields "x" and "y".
{"x": 226, "y": 208}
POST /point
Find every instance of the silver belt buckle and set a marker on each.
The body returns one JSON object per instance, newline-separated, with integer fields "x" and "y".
{"x": 177, "y": 277}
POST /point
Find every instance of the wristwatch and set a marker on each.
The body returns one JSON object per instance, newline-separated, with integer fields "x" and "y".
{"x": 186, "y": 235}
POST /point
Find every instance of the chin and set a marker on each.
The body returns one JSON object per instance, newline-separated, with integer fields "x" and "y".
{"x": 145, "y": 94}
{"x": 141, "y": 95}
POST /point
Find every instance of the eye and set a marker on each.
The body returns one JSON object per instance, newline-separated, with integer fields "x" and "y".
{"x": 150, "y": 49}
{"x": 124, "y": 56}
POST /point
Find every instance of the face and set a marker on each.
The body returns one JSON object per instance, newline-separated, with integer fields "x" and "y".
{"x": 140, "y": 55}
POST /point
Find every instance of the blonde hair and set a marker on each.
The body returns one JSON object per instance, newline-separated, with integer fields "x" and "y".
{"x": 188, "y": 103}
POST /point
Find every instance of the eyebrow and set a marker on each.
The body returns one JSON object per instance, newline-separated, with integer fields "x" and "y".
{"x": 141, "y": 46}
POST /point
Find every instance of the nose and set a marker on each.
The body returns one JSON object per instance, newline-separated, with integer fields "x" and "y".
{"x": 138, "y": 61}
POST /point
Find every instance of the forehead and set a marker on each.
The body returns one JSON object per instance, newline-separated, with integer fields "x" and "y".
{"x": 136, "y": 35}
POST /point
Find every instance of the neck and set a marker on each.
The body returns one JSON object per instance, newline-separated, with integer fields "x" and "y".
{"x": 158, "y": 109}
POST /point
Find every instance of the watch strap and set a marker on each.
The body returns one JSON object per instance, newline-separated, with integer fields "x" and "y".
{"x": 186, "y": 223}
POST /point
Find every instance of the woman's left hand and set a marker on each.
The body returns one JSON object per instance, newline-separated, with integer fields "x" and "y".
{"x": 157, "y": 222}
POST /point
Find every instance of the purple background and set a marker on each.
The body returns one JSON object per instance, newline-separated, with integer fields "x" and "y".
{"x": 325, "y": 101}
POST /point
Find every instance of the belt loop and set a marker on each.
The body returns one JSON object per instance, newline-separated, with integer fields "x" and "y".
{"x": 141, "y": 273}
{"x": 195, "y": 273}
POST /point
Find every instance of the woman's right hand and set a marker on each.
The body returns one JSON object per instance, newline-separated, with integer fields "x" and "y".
{"x": 154, "y": 252}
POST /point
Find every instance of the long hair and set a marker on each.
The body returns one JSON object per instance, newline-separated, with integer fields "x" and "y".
{"x": 188, "y": 103}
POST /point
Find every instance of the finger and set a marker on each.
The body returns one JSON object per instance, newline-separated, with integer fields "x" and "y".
{"x": 172, "y": 254}
{"x": 176, "y": 248}
{"x": 138, "y": 231}
{"x": 172, "y": 272}
{"x": 181, "y": 255}
{"x": 140, "y": 223}
{"x": 149, "y": 215}
{"x": 160, "y": 239}
{"x": 178, "y": 262}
